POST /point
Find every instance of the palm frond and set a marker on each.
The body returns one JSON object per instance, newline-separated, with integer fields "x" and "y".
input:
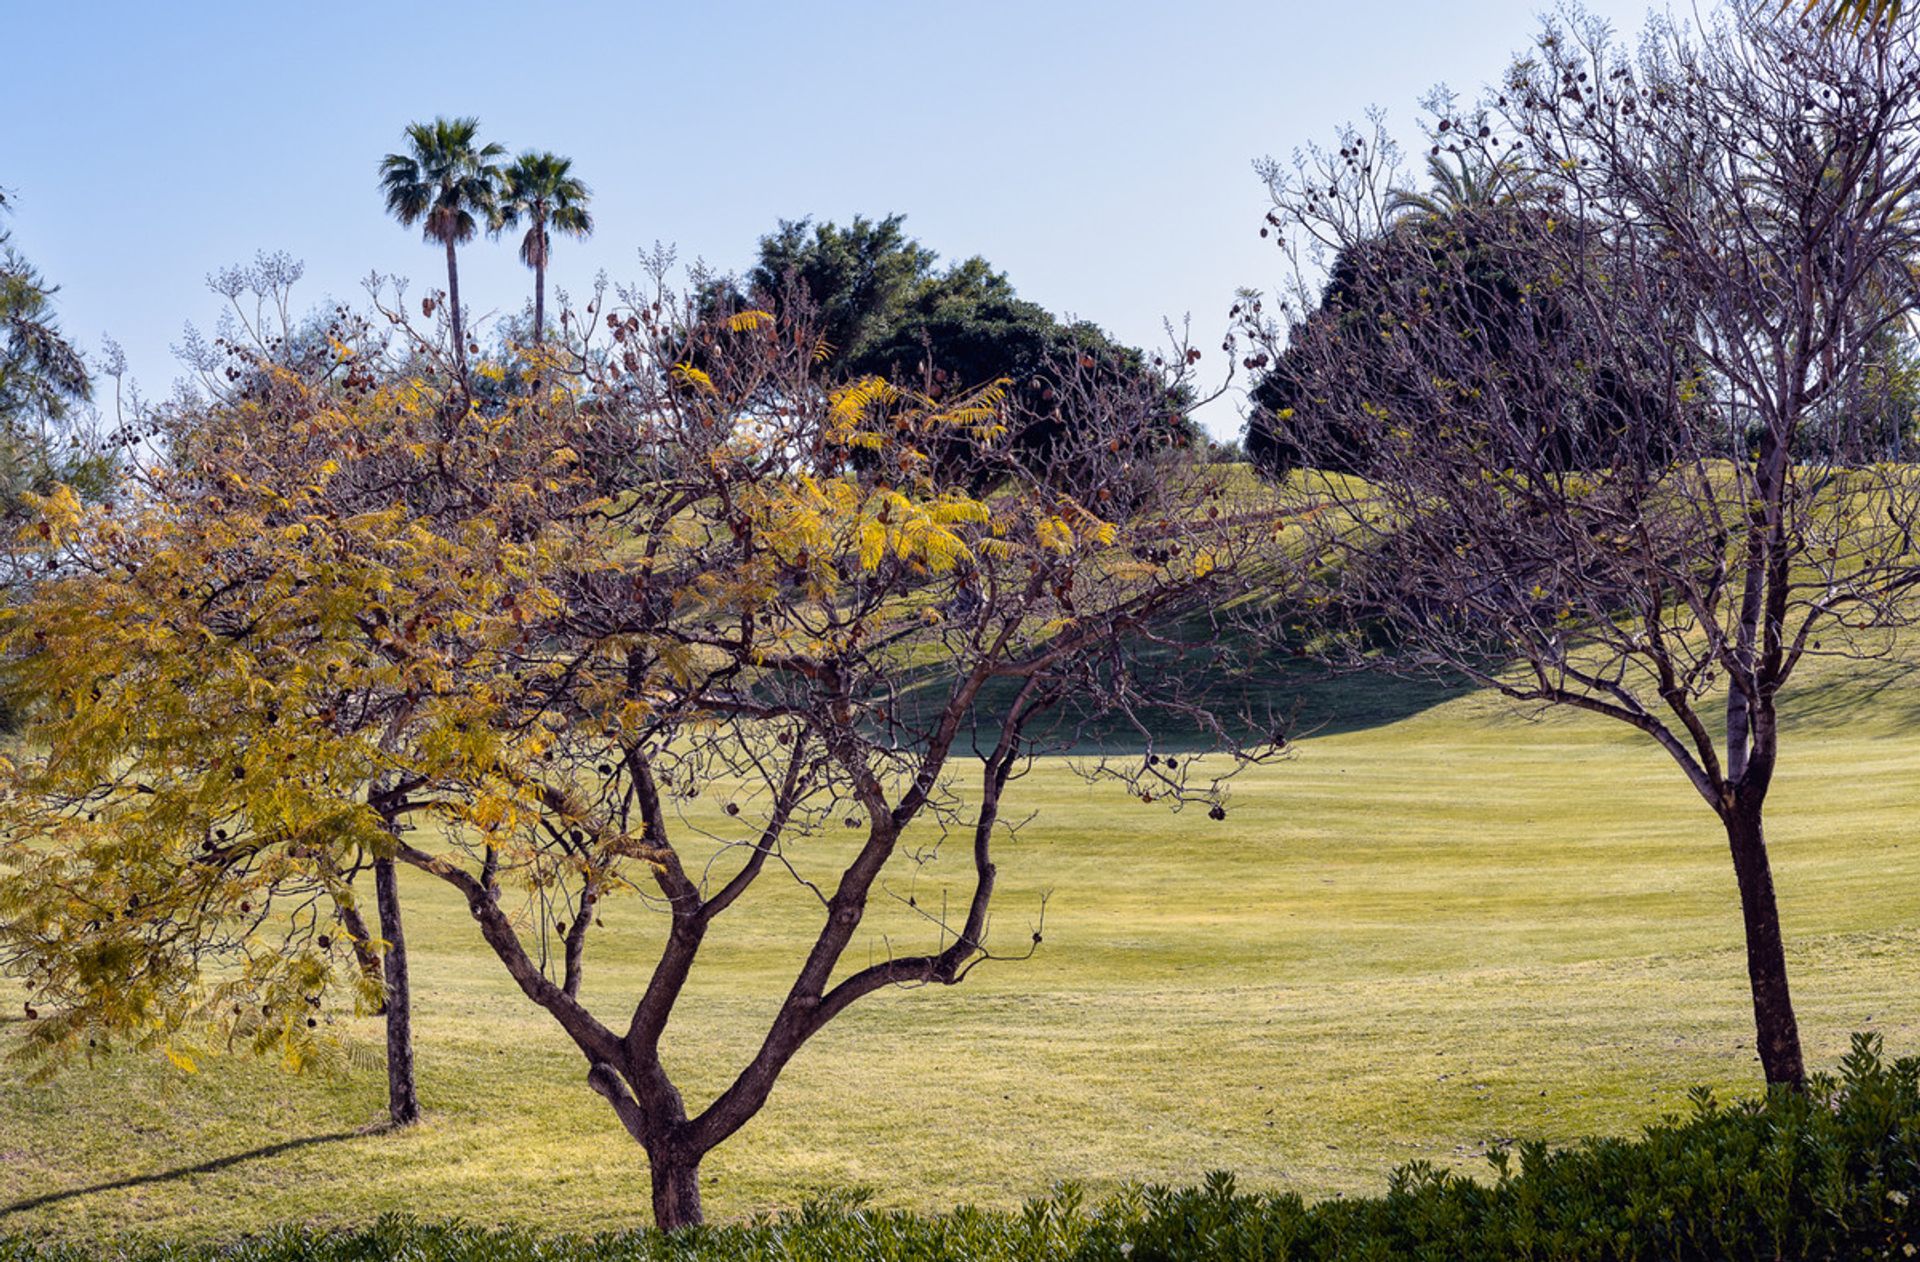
{"x": 575, "y": 221}
{"x": 540, "y": 188}
{"x": 443, "y": 180}
{"x": 1857, "y": 14}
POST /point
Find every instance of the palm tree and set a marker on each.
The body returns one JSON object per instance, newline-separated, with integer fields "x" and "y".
{"x": 443, "y": 182}
{"x": 1857, "y": 14}
{"x": 542, "y": 189}
{"x": 1460, "y": 186}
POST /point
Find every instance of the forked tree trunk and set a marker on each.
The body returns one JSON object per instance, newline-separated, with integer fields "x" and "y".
{"x": 365, "y": 958}
{"x": 676, "y": 1192}
{"x": 403, "y": 1102}
{"x": 1778, "y": 1034}
{"x": 453, "y": 313}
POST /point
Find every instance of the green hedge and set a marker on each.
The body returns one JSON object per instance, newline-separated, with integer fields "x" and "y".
{"x": 1831, "y": 1173}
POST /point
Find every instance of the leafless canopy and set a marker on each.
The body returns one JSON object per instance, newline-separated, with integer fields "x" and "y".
{"x": 1613, "y": 432}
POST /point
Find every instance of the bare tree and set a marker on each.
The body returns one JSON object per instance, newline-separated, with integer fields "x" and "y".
{"x": 1606, "y": 443}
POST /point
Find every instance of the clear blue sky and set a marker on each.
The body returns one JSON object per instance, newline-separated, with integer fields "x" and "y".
{"x": 1099, "y": 153}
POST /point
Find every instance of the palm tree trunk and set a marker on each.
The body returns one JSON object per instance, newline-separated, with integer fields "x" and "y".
{"x": 453, "y": 313}
{"x": 539, "y": 277}
{"x": 403, "y": 1100}
{"x": 539, "y": 300}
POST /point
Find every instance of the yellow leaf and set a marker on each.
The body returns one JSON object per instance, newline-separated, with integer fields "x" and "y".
{"x": 687, "y": 374}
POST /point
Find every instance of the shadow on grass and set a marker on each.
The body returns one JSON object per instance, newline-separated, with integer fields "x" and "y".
{"x": 1301, "y": 698}
{"x": 1848, "y": 691}
{"x": 180, "y": 1172}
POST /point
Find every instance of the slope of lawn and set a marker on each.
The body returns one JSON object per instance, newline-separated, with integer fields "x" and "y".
{"x": 1405, "y": 941}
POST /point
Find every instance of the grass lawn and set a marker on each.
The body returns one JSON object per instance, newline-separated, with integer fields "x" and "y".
{"x": 1406, "y": 941}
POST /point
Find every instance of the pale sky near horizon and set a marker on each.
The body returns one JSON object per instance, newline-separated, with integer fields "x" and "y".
{"x": 1100, "y": 154}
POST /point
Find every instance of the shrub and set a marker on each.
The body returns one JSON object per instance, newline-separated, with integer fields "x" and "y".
{"x": 1829, "y": 1173}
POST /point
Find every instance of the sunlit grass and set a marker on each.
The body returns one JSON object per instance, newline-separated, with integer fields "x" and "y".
{"x": 1406, "y": 941}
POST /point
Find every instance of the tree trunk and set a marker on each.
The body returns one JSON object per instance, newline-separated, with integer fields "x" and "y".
{"x": 539, "y": 280}
{"x": 403, "y": 1102}
{"x": 1778, "y": 1034}
{"x": 453, "y": 314}
{"x": 676, "y": 1192}
{"x": 364, "y": 957}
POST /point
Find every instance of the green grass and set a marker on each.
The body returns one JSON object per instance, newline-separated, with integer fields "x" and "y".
{"x": 1403, "y": 943}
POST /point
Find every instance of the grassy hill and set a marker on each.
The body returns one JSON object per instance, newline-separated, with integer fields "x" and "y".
{"x": 1442, "y": 925}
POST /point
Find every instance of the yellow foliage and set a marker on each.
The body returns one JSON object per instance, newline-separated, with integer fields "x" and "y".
{"x": 1054, "y": 534}
{"x": 687, "y": 374}
{"x": 59, "y": 513}
{"x": 853, "y": 404}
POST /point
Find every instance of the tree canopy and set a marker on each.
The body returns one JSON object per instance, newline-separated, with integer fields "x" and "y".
{"x": 880, "y": 305}
{"x": 46, "y": 386}
{"x": 1458, "y": 255}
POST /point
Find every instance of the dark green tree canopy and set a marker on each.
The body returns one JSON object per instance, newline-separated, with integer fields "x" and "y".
{"x": 44, "y": 379}
{"x": 881, "y": 305}
{"x": 42, "y": 376}
{"x": 856, "y": 280}
{"x": 1468, "y": 263}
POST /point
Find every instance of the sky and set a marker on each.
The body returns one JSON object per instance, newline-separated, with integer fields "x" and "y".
{"x": 1100, "y": 153}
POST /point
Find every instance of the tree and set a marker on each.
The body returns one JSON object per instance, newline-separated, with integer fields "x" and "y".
{"x": 1508, "y": 298}
{"x": 580, "y": 631}
{"x": 446, "y": 182}
{"x": 1467, "y": 183}
{"x": 542, "y": 189}
{"x": 882, "y": 307}
{"x": 855, "y": 280}
{"x": 46, "y": 390}
{"x": 1856, "y": 14}
{"x": 42, "y": 376}
{"x": 1726, "y": 243}
{"x": 262, "y": 356}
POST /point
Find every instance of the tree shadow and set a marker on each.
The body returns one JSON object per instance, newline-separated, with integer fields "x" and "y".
{"x": 204, "y": 1167}
{"x": 1885, "y": 686}
{"x": 1271, "y": 688}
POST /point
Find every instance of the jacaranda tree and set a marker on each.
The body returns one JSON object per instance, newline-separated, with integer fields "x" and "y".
{"x": 642, "y": 632}
{"x": 1659, "y": 485}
